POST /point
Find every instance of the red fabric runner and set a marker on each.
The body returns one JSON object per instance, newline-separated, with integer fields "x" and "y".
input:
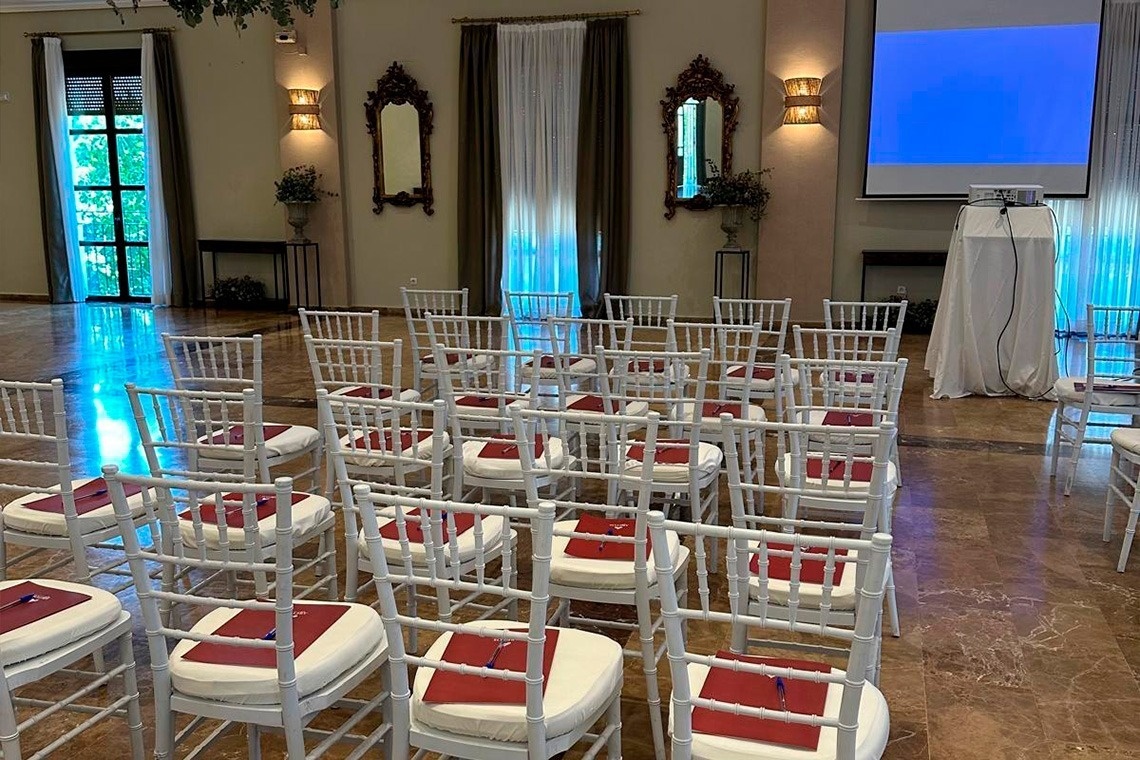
{"x": 88, "y": 497}
{"x": 509, "y": 448}
{"x": 601, "y": 526}
{"x": 811, "y": 570}
{"x": 482, "y": 402}
{"x": 717, "y": 408}
{"x": 365, "y": 391}
{"x": 589, "y": 403}
{"x": 48, "y": 601}
{"x": 849, "y": 419}
{"x": 470, "y": 649}
{"x": 266, "y": 507}
{"x": 389, "y": 442}
{"x": 850, "y": 377}
{"x": 837, "y": 468}
{"x": 235, "y": 436}
{"x": 758, "y": 373}
{"x": 672, "y": 455}
{"x": 645, "y": 365}
{"x": 464, "y": 521}
{"x": 449, "y": 358}
{"x": 309, "y": 622}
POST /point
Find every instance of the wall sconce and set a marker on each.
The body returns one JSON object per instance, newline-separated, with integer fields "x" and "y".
{"x": 802, "y": 100}
{"x": 304, "y": 109}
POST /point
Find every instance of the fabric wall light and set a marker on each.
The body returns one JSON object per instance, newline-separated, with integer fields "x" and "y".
{"x": 802, "y": 100}
{"x": 304, "y": 109}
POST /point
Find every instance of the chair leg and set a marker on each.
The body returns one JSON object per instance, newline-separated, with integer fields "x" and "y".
{"x": 9, "y": 731}
{"x": 1078, "y": 439}
{"x": 892, "y": 601}
{"x": 613, "y": 718}
{"x": 163, "y": 716}
{"x": 253, "y": 741}
{"x": 649, "y": 668}
{"x": 328, "y": 544}
{"x": 131, "y": 691}
{"x": 1110, "y": 498}
{"x": 1129, "y": 533}
{"x": 1055, "y": 454}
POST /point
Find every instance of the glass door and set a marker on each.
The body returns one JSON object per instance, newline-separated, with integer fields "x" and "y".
{"x": 104, "y": 107}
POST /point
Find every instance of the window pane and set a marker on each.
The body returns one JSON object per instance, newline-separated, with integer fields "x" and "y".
{"x": 102, "y": 270}
{"x": 138, "y": 270}
{"x": 132, "y": 160}
{"x": 135, "y": 216}
{"x": 128, "y": 121}
{"x": 86, "y": 121}
{"x": 90, "y": 162}
{"x": 95, "y": 216}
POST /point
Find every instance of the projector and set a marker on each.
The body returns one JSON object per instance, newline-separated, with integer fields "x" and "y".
{"x": 1002, "y": 195}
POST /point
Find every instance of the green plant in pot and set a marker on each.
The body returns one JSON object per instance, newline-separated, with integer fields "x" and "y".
{"x": 737, "y": 193}
{"x": 239, "y": 292}
{"x": 298, "y": 190}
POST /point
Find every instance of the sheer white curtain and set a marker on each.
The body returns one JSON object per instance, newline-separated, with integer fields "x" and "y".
{"x": 540, "y": 78}
{"x": 57, "y": 118}
{"x": 1099, "y": 239}
{"x": 157, "y": 237}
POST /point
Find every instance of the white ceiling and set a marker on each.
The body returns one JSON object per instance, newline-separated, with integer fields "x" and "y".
{"x": 22, "y": 6}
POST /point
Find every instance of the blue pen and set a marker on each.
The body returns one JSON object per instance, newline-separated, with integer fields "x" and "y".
{"x": 271, "y": 636}
{"x": 781, "y": 693}
{"x": 22, "y": 600}
{"x": 495, "y": 654}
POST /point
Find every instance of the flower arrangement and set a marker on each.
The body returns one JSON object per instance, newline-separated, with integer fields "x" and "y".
{"x": 239, "y": 291}
{"x": 299, "y": 185}
{"x": 744, "y": 188}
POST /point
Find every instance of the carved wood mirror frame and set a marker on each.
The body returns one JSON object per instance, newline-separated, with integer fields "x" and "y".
{"x": 397, "y": 87}
{"x": 699, "y": 81}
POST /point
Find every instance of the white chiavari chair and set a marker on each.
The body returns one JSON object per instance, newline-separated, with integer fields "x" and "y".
{"x": 340, "y": 325}
{"x": 494, "y": 689}
{"x": 527, "y": 314}
{"x": 47, "y": 508}
{"x": 864, "y": 315}
{"x": 1123, "y": 486}
{"x": 268, "y": 663}
{"x": 848, "y": 345}
{"x": 1112, "y": 371}
{"x": 357, "y": 367}
{"x": 573, "y": 343}
{"x": 232, "y": 364}
{"x": 729, "y": 703}
{"x": 645, "y": 311}
{"x": 771, "y": 317}
{"x": 417, "y": 305}
{"x": 186, "y": 435}
{"x": 49, "y": 626}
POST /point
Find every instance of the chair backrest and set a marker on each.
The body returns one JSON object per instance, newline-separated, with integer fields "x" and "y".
{"x": 471, "y": 356}
{"x": 215, "y": 363}
{"x": 443, "y": 586}
{"x": 817, "y": 636}
{"x": 646, "y": 311}
{"x": 815, "y": 387}
{"x": 527, "y": 313}
{"x": 1113, "y": 360}
{"x": 419, "y": 303}
{"x": 209, "y": 501}
{"x": 864, "y": 315}
{"x": 34, "y": 454}
{"x": 849, "y": 345}
{"x": 666, "y": 378}
{"x": 340, "y": 325}
{"x": 733, "y": 351}
{"x": 339, "y": 364}
{"x": 771, "y": 314}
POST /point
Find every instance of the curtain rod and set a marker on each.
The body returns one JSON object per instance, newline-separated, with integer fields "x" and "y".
{"x": 102, "y": 31}
{"x": 545, "y": 19}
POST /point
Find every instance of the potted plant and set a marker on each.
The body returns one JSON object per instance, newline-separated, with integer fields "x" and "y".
{"x": 297, "y": 189}
{"x": 736, "y": 194}
{"x": 239, "y": 292}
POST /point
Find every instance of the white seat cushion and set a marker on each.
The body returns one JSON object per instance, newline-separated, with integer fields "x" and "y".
{"x": 837, "y": 482}
{"x": 843, "y": 595}
{"x": 1127, "y": 439}
{"x": 17, "y": 516}
{"x": 632, "y": 408}
{"x": 710, "y": 423}
{"x": 308, "y": 513}
{"x": 1066, "y": 390}
{"x": 709, "y": 457}
{"x": 553, "y": 457}
{"x": 473, "y": 361}
{"x": 870, "y": 738}
{"x": 651, "y": 375}
{"x": 465, "y": 410}
{"x": 355, "y": 635}
{"x": 587, "y": 669}
{"x": 62, "y": 628}
{"x": 294, "y": 439}
{"x": 569, "y": 570}
{"x": 362, "y": 457}
{"x": 577, "y": 365}
{"x": 492, "y": 537}
{"x": 761, "y": 381}
{"x": 364, "y": 391}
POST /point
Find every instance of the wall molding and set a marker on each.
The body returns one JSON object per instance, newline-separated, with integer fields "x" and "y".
{"x": 39, "y": 6}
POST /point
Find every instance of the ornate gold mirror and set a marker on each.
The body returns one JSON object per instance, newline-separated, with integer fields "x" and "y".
{"x": 399, "y": 117}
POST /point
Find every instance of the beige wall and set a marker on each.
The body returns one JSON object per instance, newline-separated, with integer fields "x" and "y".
{"x": 231, "y": 116}
{"x": 668, "y": 256}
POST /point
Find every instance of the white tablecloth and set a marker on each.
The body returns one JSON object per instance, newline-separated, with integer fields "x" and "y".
{"x": 976, "y": 291}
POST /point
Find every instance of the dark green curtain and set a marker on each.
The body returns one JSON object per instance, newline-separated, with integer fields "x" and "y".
{"x": 175, "y": 164}
{"x": 604, "y": 164}
{"x": 51, "y": 207}
{"x": 702, "y": 159}
{"x": 480, "y": 190}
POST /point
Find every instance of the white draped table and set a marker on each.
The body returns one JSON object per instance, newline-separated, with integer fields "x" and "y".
{"x": 977, "y": 289}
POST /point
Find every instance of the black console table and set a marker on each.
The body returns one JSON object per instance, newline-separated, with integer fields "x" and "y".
{"x": 877, "y": 258}
{"x": 282, "y": 251}
{"x": 300, "y": 251}
{"x": 745, "y": 270}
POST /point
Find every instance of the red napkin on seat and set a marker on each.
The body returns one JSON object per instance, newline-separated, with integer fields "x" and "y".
{"x": 717, "y": 408}
{"x": 88, "y": 498}
{"x": 470, "y": 649}
{"x": 48, "y": 601}
{"x": 449, "y": 358}
{"x": 849, "y": 419}
{"x": 365, "y": 391}
{"x": 860, "y": 471}
{"x": 508, "y": 449}
{"x": 601, "y": 526}
{"x": 754, "y": 690}
{"x": 758, "y": 373}
{"x": 811, "y": 570}
{"x": 1121, "y": 387}
{"x": 850, "y": 377}
{"x": 482, "y": 402}
{"x": 464, "y": 521}
{"x": 235, "y": 436}
{"x": 389, "y": 444}
{"x": 590, "y": 403}
{"x": 309, "y": 622}
{"x": 266, "y": 506}
{"x": 671, "y": 455}
{"x": 645, "y": 365}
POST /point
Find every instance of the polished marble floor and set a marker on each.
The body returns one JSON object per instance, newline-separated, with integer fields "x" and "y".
{"x": 1020, "y": 640}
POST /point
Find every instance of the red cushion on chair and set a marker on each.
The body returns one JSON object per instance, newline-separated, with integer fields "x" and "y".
{"x": 477, "y": 651}
{"x": 266, "y": 506}
{"x": 860, "y": 471}
{"x": 88, "y": 498}
{"x": 508, "y": 449}
{"x": 590, "y": 403}
{"x": 717, "y": 408}
{"x": 309, "y": 622}
{"x": 235, "y": 436}
{"x": 811, "y": 570}
{"x": 464, "y": 521}
{"x": 671, "y": 455}
{"x": 601, "y": 526}
{"x": 645, "y": 365}
{"x": 389, "y": 442}
{"x": 482, "y": 402}
{"x": 849, "y": 419}
{"x": 365, "y": 391}
{"x": 758, "y": 373}
{"x": 755, "y": 690}
{"x": 47, "y": 601}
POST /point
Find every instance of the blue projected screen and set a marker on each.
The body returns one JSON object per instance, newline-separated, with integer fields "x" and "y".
{"x": 981, "y": 91}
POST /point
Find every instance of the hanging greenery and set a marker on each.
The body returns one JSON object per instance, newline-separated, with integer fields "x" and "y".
{"x": 193, "y": 11}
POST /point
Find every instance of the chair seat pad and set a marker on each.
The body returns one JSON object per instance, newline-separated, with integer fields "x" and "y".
{"x": 473, "y": 361}
{"x": 758, "y": 384}
{"x": 632, "y": 408}
{"x": 889, "y": 486}
{"x": 587, "y": 669}
{"x": 709, "y": 457}
{"x": 582, "y": 572}
{"x": 492, "y": 536}
{"x": 711, "y": 424}
{"x": 1127, "y": 439}
{"x": 469, "y": 410}
{"x": 62, "y": 628}
{"x": 307, "y": 514}
{"x": 355, "y": 635}
{"x": 362, "y": 457}
{"x": 1066, "y": 390}
{"x": 553, "y": 457}
{"x": 19, "y": 517}
{"x": 405, "y": 394}
{"x": 870, "y": 737}
{"x": 582, "y": 365}
{"x": 843, "y": 596}
{"x": 293, "y": 440}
